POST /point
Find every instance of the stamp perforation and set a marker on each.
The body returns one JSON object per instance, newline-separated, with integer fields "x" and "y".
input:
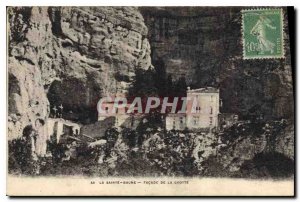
{"x": 282, "y": 56}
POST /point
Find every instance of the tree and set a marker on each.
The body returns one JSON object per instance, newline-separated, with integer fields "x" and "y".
{"x": 143, "y": 84}
{"x": 169, "y": 86}
{"x": 160, "y": 77}
{"x": 180, "y": 87}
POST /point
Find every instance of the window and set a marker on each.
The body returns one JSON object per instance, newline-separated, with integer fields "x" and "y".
{"x": 211, "y": 110}
{"x": 106, "y": 109}
{"x": 181, "y": 120}
{"x": 210, "y": 120}
{"x": 211, "y": 98}
{"x": 117, "y": 110}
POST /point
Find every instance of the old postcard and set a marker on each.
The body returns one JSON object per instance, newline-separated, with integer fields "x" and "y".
{"x": 150, "y": 101}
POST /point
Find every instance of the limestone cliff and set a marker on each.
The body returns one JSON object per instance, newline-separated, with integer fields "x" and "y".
{"x": 70, "y": 56}
{"x": 204, "y": 45}
{"x": 74, "y": 55}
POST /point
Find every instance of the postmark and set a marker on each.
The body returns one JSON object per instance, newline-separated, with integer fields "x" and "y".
{"x": 262, "y": 33}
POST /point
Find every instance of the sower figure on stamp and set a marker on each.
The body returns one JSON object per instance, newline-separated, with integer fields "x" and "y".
{"x": 259, "y": 30}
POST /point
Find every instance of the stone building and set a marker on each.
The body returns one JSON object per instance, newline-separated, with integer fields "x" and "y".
{"x": 122, "y": 118}
{"x": 175, "y": 121}
{"x": 57, "y": 127}
{"x": 54, "y": 129}
{"x": 120, "y": 114}
{"x": 226, "y": 120}
{"x": 202, "y": 111}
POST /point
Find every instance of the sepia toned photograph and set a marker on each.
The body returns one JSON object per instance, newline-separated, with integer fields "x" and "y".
{"x": 150, "y": 101}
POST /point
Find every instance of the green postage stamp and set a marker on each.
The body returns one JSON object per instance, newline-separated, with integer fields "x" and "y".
{"x": 262, "y": 33}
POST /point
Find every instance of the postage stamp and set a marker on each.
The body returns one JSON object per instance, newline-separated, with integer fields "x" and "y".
{"x": 262, "y": 33}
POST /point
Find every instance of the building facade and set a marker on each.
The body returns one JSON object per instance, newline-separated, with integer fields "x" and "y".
{"x": 202, "y": 111}
{"x": 57, "y": 127}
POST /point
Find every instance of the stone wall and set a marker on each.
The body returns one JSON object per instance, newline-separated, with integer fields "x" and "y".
{"x": 205, "y": 46}
{"x": 70, "y": 56}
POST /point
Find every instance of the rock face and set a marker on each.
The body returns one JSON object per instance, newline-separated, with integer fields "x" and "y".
{"x": 243, "y": 142}
{"x": 70, "y": 56}
{"x": 204, "y": 45}
{"x": 73, "y": 56}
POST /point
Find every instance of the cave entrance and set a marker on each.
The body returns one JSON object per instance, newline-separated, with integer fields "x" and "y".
{"x": 71, "y": 99}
